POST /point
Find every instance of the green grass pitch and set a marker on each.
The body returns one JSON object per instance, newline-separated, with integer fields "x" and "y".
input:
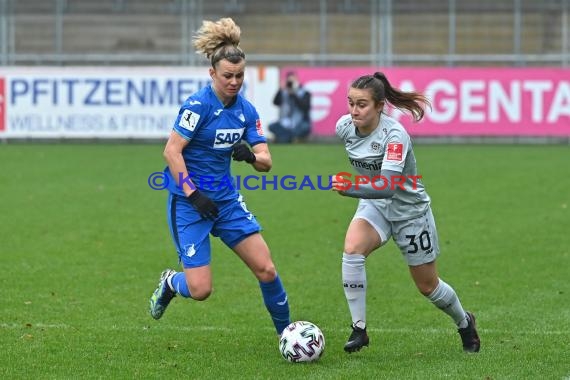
{"x": 83, "y": 240}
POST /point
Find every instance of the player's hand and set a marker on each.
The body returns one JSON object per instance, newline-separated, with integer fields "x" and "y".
{"x": 204, "y": 205}
{"x": 338, "y": 187}
{"x": 335, "y": 185}
{"x": 243, "y": 153}
{"x": 339, "y": 184}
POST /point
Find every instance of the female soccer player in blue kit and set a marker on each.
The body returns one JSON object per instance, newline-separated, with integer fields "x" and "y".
{"x": 393, "y": 204}
{"x": 207, "y": 133}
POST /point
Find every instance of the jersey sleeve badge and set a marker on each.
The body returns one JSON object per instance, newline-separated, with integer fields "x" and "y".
{"x": 189, "y": 120}
{"x": 258, "y": 127}
{"x": 395, "y": 151}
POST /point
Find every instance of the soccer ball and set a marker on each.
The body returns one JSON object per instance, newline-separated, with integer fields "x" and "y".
{"x": 302, "y": 341}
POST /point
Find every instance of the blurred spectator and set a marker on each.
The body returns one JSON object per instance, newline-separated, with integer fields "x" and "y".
{"x": 294, "y": 102}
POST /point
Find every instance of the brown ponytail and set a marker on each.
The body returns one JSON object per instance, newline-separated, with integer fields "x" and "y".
{"x": 382, "y": 90}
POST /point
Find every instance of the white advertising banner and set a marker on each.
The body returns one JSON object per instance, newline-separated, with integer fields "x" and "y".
{"x": 111, "y": 102}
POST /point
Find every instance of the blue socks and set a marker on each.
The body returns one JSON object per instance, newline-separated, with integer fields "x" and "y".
{"x": 275, "y": 299}
{"x": 178, "y": 284}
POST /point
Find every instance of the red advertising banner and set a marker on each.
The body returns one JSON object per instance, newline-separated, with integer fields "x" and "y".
{"x": 465, "y": 101}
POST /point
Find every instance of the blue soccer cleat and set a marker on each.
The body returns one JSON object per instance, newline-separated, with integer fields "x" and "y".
{"x": 162, "y": 295}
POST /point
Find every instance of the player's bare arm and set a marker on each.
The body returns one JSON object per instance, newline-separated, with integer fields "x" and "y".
{"x": 263, "y": 162}
{"x": 173, "y": 156}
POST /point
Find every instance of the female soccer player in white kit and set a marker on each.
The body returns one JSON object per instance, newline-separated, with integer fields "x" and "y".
{"x": 393, "y": 203}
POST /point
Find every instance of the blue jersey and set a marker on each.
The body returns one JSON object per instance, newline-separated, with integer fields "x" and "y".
{"x": 212, "y": 130}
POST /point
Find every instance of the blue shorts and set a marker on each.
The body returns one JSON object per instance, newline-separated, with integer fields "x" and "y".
{"x": 190, "y": 232}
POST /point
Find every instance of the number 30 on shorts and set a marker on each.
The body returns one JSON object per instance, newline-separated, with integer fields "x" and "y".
{"x": 422, "y": 241}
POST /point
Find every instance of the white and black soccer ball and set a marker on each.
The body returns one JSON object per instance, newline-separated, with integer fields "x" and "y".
{"x": 302, "y": 341}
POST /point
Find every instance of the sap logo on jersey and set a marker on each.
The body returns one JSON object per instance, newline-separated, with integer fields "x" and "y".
{"x": 226, "y": 138}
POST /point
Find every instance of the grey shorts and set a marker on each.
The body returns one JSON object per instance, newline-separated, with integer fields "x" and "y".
{"x": 416, "y": 238}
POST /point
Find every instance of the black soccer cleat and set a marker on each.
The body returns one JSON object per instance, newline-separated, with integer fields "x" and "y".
{"x": 469, "y": 336}
{"x": 358, "y": 339}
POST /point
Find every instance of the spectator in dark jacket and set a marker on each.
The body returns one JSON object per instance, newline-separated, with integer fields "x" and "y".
{"x": 294, "y": 103}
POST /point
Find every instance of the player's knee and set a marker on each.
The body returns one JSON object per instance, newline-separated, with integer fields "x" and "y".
{"x": 267, "y": 273}
{"x": 351, "y": 249}
{"x": 200, "y": 293}
{"x": 357, "y": 248}
{"x": 426, "y": 288}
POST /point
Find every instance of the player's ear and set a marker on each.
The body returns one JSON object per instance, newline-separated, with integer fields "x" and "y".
{"x": 212, "y": 72}
{"x": 380, "y": 106}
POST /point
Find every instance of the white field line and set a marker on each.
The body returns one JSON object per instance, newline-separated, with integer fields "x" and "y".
{"x": 408, "y": 331}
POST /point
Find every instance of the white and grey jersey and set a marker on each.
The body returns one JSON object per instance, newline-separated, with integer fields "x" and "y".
{"x": 388, "y": 147}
